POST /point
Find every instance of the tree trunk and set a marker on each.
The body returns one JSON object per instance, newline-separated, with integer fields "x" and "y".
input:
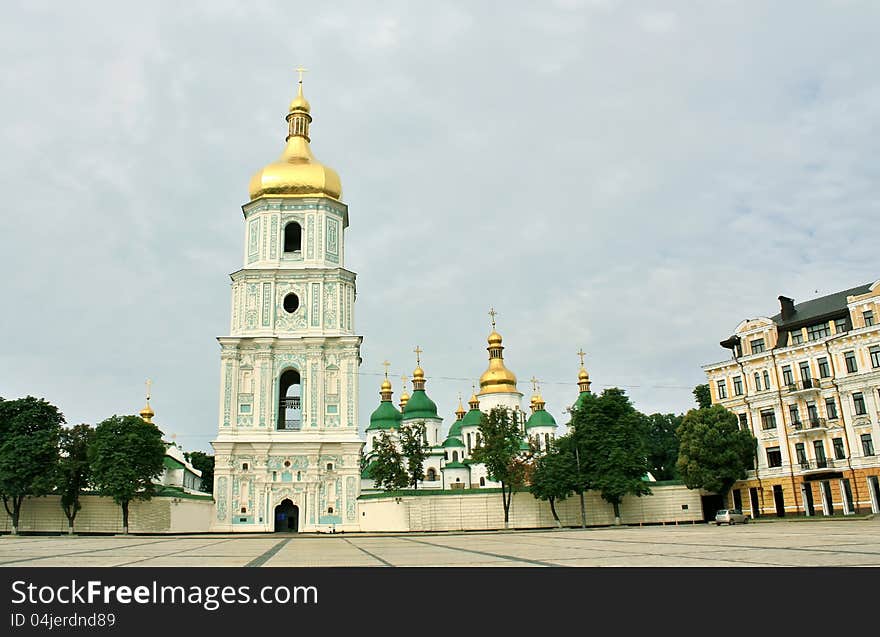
{"x": 125, "y": 517}
{"x": 553, "y": 510}
{"x": 505, "y": 500}
{"x": 616, "y": 505}
{"x": 14, "y": 513}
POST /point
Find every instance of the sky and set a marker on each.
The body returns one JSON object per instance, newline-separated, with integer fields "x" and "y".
{"x": 630, "y": 178}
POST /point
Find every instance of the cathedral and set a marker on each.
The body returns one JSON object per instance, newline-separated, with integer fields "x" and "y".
{"x": 288, "y": 450}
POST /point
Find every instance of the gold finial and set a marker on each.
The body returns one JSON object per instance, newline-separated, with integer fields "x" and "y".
{"x": 405, "y": 380}
{"x": 534, "y": 382}
{"x": 418, "y": 350}
{"x": 147, "y": 412}
{"x": 386, "y": 365}
{"x": 582, "y": 353}
{"x": 493, "y": 314}
{"x": 460, "y": 412}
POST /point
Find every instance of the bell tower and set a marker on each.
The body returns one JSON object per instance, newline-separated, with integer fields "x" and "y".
{"x": 287, "y": 444}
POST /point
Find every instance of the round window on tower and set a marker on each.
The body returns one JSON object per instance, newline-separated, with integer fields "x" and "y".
{"x": 291, "y": 303}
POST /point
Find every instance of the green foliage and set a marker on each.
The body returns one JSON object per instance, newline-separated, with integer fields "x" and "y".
{"x": 610, "y": 435}
{"x": 126, "y": 456}
{"x": 387, "y": 470}
{"x": 414, "y": 445}
{"x": 703, "y": 396}
{"x": 205, "y": 463}
{"x": 29, "y": 431}
{"x": 714, "y": 451}
{"x": 499, "y": 450}
{"x": 662, "y": 445}
{"x": 73, "y": 472}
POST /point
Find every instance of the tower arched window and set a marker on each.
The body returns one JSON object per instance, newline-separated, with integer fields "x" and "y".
{"x": 431, "y": 474}
{"x": 293, "y": 237}
{"x": 482, "y": 481}
{"x": 547, "y": 441}
{"x": 290, "y": 401}
{"x": 454, "y": 456}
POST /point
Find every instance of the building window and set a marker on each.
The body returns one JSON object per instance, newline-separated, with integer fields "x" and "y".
{"x": 805, "y": 373}
{"x": 737, "y": 385}
{"x": 831, "y": 408}
{"x": 743, "y": 421}
{"x": 867, "y": 445}
{"x": 850, "y": 358}
{"x": 757, "y": 381}
{"x": 329, "y": 466}
{"x": 787, "y": 377}
{"x": 859, "y": 404}
{"x": 800, "y": 453}
{"x": 244, "y": 466}
{"x": 766, "y": 379}
{"x": 875, "y": 356}
{"x": 292, "y": 237}
{"x": 813, "y": 414}
{"x": 330, "y": 510}
{"x": 840, "y": 325}
{"x": 868, "y": 315}
{"x": 795, "y": 416}
{"x": 774, "y": 457}
{"x": 824, "y": 370}
{"x": 454, "y": 456}
{"x": 768, "y": 419}
{"x": 482, "y": 481}
{"x": 839, "y": 453}
{"x": 757, "y": 345}
{"x": 815, "y": 332}
{"x": 797, "y": 337}
{"x": 722, "y": 389}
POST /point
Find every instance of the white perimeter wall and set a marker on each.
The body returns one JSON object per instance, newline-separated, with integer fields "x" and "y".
{"x": 475, "y": 510}
{"x": 102, "y": 515}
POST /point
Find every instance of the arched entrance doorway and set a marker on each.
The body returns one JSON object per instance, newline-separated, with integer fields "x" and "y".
{"x": 286, "y": 517}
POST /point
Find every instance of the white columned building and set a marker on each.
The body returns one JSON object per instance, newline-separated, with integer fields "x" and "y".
{"x": 287, "y": 449}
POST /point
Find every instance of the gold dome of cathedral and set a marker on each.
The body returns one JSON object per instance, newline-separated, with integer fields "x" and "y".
{"x": 297, "y": 172}
{"x": 497, "y": 378}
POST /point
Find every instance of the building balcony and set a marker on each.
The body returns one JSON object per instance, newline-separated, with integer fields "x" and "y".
{"x": 821, "y": 464}
{"x": 813, "y": 425}
{"x": 804, "y": 386}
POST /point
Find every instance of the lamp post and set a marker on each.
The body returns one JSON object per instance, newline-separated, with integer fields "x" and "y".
{"x": 577, "y": 457}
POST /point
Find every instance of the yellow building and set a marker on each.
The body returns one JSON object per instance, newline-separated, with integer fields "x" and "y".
{"x": 806, "y": 382}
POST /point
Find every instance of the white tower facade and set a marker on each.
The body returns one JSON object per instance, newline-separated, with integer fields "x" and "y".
{"x": 287, "y": 452}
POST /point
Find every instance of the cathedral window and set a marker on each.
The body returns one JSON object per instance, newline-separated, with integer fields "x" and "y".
{"x": 330, "y": 510}
{"x": 454, "y": 456}
{"x": 329, "y": 466}
{"x": 287, "y": 463}
{"x": 291, "y": 303}
{"x": 482, "y": 481}
{"x": 292, "y": 237}
{"x": 244, "y": 466}
{"x": 298, "y": 476}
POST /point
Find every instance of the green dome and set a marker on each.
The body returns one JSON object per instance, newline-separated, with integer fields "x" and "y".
{"x": 471, "y": 419}
{"x": 420, "y": 406}
{"x": 455, "y": 429}
{"x": 453, "y": 442}
{"x": 386, "y": 416}
{"x": 540, "y": 418}
{"x": 582, "y": 397}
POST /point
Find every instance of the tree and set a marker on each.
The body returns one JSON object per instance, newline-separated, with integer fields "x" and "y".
{"x": 610, "y": 434}
{"x": 205, "y": 463}
{"x": 499, "y": 450}
{"x": 413, "y": 443}
{"x": 703, "y": 396}
{"x": 73, "y": 471}
{"x": 555, "y": 474}
{"x": 29, "y": 431}
{"x": 714, "y": 451}
{"x": 127, "y": 454}
{"x": 387, "y": 470}
{"x": 663, "y": 445}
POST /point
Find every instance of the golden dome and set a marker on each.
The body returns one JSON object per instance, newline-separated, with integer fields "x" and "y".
{"x": 297, "y": 172}
{"x": 147, "y": 413}
{"x": 583, "y": 375}
{"x": 386, "y": 385}
{"x": 418, "y": 373}
{"x": 497, "y": 379}
{"x": 460, "y": 412}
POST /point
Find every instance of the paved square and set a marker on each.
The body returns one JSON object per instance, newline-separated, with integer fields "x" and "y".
{"x": 772, "y": 543}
